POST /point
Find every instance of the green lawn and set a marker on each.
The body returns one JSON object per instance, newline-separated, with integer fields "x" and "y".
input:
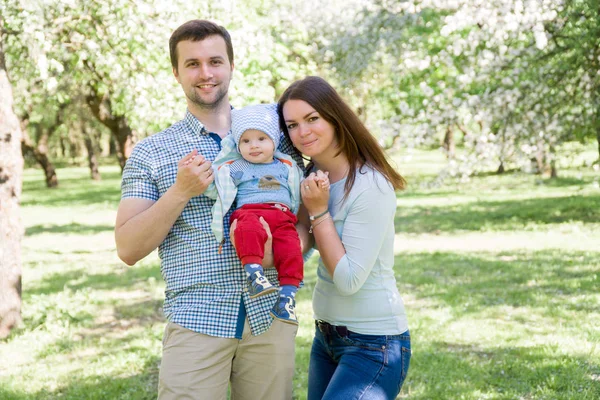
{"x": 500, "y": 276}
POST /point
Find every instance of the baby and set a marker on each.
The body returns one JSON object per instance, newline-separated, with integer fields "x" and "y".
{"x": 264, "y": 183}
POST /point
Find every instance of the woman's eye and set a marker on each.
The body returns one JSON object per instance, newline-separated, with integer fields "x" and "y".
{"x": 291, "y": 126}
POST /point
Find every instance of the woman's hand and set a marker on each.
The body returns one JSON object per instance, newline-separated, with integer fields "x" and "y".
{"x": 315, "y": 192}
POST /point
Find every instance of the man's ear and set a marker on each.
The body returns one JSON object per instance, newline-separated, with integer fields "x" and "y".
{"x": 176, "y": 74}
{"x": 232, "y": 67}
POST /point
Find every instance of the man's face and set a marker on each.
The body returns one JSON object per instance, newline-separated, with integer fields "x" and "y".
{"x": 203, "y": 71}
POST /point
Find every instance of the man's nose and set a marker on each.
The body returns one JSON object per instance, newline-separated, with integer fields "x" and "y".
{"x": 205, "y": 71}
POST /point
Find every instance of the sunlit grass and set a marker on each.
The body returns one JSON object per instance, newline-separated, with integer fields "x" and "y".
{"x": 500, "y": 276}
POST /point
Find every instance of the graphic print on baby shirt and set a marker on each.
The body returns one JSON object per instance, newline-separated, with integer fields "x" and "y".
{"x": 269, "y": 182}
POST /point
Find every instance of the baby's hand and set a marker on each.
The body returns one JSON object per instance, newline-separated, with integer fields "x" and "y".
{"x": 322, "y": 179}
{"x": 199, "y": 159}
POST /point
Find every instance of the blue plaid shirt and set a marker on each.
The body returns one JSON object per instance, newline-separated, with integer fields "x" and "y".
{"x": 204, "y": 289}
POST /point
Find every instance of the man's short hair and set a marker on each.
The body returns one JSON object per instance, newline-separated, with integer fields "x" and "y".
{"x": 196, "y": 30}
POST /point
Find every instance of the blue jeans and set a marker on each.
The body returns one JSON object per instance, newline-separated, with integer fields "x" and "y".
{"x": 348, "y": 365}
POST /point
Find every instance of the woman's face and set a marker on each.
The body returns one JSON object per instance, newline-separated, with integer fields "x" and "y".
{"x": 310, "y": 133}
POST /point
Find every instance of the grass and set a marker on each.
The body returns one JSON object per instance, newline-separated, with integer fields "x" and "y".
{"x": 500, "y": 276}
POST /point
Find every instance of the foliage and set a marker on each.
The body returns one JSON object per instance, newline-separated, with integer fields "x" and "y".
{"x": 514, "y": 79}
{"x": 517, "y": 77}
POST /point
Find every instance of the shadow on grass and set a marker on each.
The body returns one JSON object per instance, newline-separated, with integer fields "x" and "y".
{"x": 141, "y": 386}
{"x": 567, "y": 181}
{"x": 112, "y": 334}
{"x": 468, "y": 283}
{"x": 446, "y": 370}
{"x": 74, "y": 228}
{"x": 77, "y": 190}
{"x": 65, "y": 196}
{"x": 498, "y": 215}
{"x": 76, "y": 280}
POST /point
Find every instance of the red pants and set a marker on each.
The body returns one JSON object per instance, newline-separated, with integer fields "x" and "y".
{"x": 250, "y": 238}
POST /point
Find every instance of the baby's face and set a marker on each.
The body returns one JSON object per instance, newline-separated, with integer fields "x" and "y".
{"x": 256, "y": 147}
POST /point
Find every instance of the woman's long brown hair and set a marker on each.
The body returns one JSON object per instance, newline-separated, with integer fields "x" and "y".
{"x": 354, "y": 139}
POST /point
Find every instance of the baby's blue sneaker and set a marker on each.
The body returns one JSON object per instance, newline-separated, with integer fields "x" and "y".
{"x": 285, "y": 310}
{"x": 259, "y": 285}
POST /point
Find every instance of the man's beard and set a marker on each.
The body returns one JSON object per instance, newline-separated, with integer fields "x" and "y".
{"x": 197, "y": 99}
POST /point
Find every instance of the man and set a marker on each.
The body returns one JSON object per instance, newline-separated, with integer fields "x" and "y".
{"x": 215, "y": 333}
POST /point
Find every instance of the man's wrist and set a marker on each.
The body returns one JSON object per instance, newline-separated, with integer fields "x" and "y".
{"x": 179, "y": 195}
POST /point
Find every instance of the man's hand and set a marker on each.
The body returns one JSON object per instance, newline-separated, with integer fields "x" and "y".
{"x": 268, "y": 259}
{"x": 194, "y": 175}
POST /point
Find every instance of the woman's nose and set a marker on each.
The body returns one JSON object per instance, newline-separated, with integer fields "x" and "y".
{"x": 304, "y": 130}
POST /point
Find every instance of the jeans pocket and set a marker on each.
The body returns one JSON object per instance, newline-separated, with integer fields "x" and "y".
{"x": 405, "y": 356}
{"x": 366, "y": 342}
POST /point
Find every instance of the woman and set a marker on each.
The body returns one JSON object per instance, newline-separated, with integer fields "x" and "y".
{"x": 361, "y": 348}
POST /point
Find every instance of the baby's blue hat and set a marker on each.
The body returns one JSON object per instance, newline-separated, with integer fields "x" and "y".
{"x": 262, "y": 117}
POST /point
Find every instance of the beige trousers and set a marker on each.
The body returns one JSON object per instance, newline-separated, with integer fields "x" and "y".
{"x": 198, "y": 366}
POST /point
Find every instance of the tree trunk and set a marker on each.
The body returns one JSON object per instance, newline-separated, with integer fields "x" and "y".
{"x": 539, "y": 162}
{"x": 119, "y": 127}
{"x": 125, "y": 142}
{"x": 552, "y": 163}
{"x": 11, "y": 174}
{"x": 63, "y": 147}
{"x": 598, "y": 139}
{"x": 40, "y": 153}
{"x": 112, "y": 146}
{"x": 449, "y": 144}
{"x": 72, "y": 150}
{"x": 541, "y": 159}
{"x": 501, "y": 169}
{"x": 92, "y": 160}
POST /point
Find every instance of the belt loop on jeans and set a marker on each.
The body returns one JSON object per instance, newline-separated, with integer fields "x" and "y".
{"x": 327, "y": 329}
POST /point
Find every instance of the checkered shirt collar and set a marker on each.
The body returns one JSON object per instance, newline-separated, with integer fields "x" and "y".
{"x": 195, "y": 125}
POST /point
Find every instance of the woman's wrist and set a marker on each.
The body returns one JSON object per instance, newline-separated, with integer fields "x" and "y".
{"x": 316, "y": 215}
{"x": 318, "y": 221}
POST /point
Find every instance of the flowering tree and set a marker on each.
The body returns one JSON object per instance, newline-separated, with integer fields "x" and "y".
{"x": 11, "y": 166}
{"x": 514, "y": 78}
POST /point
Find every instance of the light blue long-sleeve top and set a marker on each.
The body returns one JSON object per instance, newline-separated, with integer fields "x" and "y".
{"x": 362, "y": 294}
